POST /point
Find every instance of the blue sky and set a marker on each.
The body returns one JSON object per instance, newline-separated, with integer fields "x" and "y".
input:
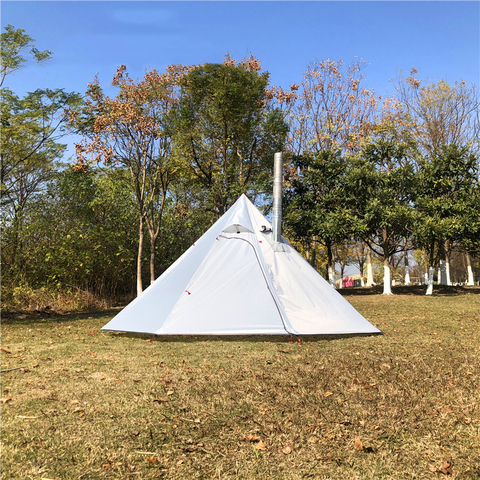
{"x": 441, "y": 39}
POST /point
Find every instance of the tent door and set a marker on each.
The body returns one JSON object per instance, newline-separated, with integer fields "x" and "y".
{"x": 229, "y": 293}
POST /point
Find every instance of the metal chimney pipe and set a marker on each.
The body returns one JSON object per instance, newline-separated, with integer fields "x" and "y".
{"x": 277, "y": 196}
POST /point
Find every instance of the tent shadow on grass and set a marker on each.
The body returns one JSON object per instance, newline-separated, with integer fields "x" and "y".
{"x": 239, "y": 338}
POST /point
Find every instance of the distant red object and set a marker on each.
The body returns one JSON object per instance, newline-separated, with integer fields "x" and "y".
{"x": 348, "y": 282}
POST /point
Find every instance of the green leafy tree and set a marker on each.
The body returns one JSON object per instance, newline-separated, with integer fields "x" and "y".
{"x": 13, "y": 45}
{"x": 447, "y": 203}
{"x": 227, "y": 131}
{"x": 77, "y": 235}
{"x": 316, "y": 202}
{"x": 31, "y": 129}
{"x": 381, "y": 179}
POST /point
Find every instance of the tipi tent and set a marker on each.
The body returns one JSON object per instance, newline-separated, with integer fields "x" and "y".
{"x": 236, "y": 280}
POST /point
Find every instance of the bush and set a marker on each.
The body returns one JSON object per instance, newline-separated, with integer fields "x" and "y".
{"x": 25, "y": 299}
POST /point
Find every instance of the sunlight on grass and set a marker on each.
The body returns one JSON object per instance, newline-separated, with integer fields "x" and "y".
{"x": 79, "y": 403}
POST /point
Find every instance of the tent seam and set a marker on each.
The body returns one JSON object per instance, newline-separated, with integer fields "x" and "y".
{"x": 264, "y": 277}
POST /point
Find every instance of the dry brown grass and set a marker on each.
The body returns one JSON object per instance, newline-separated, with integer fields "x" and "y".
{"x": 26, "y": 300}
{"x": 85, "y": 404}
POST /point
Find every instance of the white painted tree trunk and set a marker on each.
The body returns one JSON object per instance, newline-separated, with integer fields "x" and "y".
{"x": 447, "y": 271}
{"x": 442, "y": 272}
{"x": 362, "y": 281}
{"x": 407, "y": 269}
{"x": 387, "y": 279}
{"x": 470, "y": 279}
{"x": 431, "y": 271}
{"x": 331, "y": 276}
{"x": 369, "y": 269}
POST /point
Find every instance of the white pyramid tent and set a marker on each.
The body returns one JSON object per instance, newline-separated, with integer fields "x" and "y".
{"x": 235, "y": 280}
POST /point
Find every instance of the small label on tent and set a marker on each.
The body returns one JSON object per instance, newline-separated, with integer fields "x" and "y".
{"x": 188, "y": 292}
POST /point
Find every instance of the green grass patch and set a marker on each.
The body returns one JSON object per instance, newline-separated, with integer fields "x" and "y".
{"x": 82, "y": 404}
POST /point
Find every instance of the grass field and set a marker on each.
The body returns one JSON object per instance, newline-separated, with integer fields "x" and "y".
{"x": 82, "y": 404}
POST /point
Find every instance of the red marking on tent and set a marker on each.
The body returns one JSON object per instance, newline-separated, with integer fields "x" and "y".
{"x": 188, "y": 292}
{"x": 259, "y": 241}
{"x": 193, "y": 244}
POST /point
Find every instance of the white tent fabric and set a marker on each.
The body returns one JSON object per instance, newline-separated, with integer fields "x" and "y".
{"x": 236, "y": 281}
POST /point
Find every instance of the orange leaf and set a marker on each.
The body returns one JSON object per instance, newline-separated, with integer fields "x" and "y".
{"x": 152, "y": 459}
{"x": 260, "y": 446}
{"x": 327, "y": 394}
{"x": 358, "y": 445}
{"x": 251, "y": 438}
{"x": 287, "y": 450}
{"x": 6, "y": 399}
{"x": 229, "y": 356}
{"x": 161, "y": 400}
{"x": 447, "y": 468}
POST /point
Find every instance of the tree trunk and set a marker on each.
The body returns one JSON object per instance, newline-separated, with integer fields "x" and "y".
{"x": 153, "y": 243}
{"x": 447, "y": 263}
{"x": 330, "y": 265}
{"x": 407, "y": 269}
{"x": 470, "y": 279}
{"x": 154, "y": 227}
{"x": 314, "y": 252}
{"x": 139, "y": 257}
{"x": 425, "y": 256}
{"x": 387, "y": 280}
{"x": 342, "y": 271}
{"x": 442, "y": 269}
{"x": 369, "y": 268}
{"x": 447, "y": 270}
{"x": 431, "y": 271}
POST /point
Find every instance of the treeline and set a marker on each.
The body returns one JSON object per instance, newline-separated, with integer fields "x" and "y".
{"x": 366, "y": 177}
